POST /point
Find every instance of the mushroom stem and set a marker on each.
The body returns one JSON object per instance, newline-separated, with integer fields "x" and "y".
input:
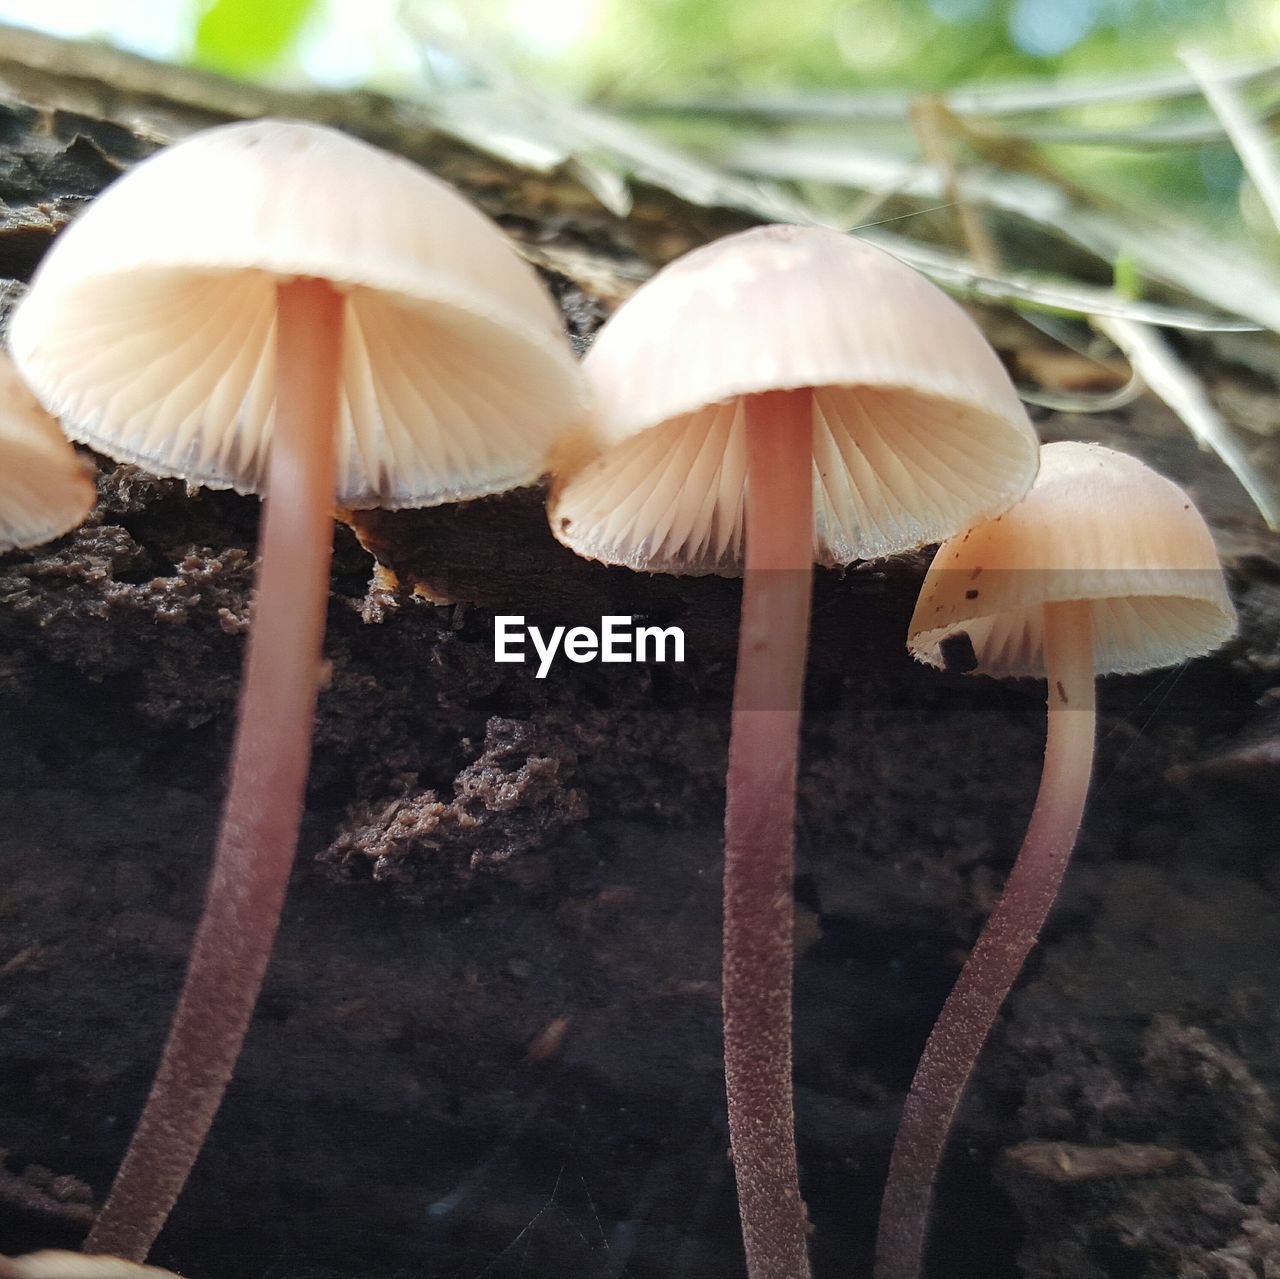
{"x": 263, "y": 806}
{"x": 1010, "y": 932}
{"x": 760, "y": 831}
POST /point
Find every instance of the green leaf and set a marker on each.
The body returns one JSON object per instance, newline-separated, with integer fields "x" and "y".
{"x": 1127, "y": 276}
{"x": 239, "y": 37}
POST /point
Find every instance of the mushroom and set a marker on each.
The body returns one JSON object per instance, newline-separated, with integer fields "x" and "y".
{"x": 54, "y": 1264}
{"x": 1104, "y": 567}
{"x": 784, "y": 395}
{"x": 45, "y": 490}
{"x": 277, "y": 308}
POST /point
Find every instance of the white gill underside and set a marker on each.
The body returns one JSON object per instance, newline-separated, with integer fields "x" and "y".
{"x": 179, "y": 376}
{"x": 1130, "y": 634}
{"x": 892, "y": 470}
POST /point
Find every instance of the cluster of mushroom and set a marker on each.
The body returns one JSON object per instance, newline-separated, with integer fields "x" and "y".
{"x": 789, "y": 396}
{"x": 783, "y": 397}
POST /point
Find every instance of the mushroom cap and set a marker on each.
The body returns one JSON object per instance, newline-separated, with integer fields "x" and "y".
{"x": 45, "y": 489}
{"x": 54, "y": 1264}
{"x": 1098, "y": 526}
{"x": 917, "y": 430}
{"x": 149, "y": 328}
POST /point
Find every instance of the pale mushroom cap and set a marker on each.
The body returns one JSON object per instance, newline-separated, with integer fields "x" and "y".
{"x": 917, "y": 430}
{"x": 45, "y": 490}
{"x": 54, "y": 1264}
{"x": 149, "y": 328}
{"x": 1097, "y": 526}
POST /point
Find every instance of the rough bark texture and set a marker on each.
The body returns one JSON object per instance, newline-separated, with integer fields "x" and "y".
{"x": 489, "y": 1043}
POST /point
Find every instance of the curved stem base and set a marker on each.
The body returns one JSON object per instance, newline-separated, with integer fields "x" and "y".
{"x": 1010, "y": 933}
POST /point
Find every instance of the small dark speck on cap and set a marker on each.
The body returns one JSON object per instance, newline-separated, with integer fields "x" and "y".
{"x": 565, "y": 524}
{"x": 1062, "y": 692}
{"x": 971, "y": 595}
{"x": 956, "y": 651}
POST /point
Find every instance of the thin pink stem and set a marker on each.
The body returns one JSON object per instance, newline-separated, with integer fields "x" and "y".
{"x": 268, "y": 777}
{"x": 760, "y": 832}
{"x": 1010, "y": 933}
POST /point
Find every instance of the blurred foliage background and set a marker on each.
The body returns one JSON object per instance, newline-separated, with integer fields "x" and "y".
{"x": 1106, "y": 171}
{"x": 682, "y": 55}
{"x": 644, "y": 48}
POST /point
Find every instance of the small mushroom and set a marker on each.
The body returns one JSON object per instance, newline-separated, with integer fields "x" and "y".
{"x": 45, "y": 489}
{"x": 54, "y": 1264}
{"x": 1104, "y": 567}
{"x": 784, "y": 395}
{"x": 278, "y": 308}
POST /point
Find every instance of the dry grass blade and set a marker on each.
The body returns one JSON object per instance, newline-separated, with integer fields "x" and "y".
{"x": 957, "y": 275}
{"x": 534, "y": 131}
{"x": 1161, "y": 246}
{"x": 512, "y": 119}
{"x": 1061, "y": 397}
{"x": 989, "y": 102}
{"x": 639, "y": 154}
{"x": 1082, "y": 401}
{"x": 1158, "y": 135}
{"x": 517, "y": 122}
{"x": 930, "y": 123}
{"x": 1183, "y": 392}
{"x": 1247, "y": 135}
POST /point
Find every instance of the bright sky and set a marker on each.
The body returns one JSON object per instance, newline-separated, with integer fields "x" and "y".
{"x": 350, "y": 44}
{"x": 154, "y": 27}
